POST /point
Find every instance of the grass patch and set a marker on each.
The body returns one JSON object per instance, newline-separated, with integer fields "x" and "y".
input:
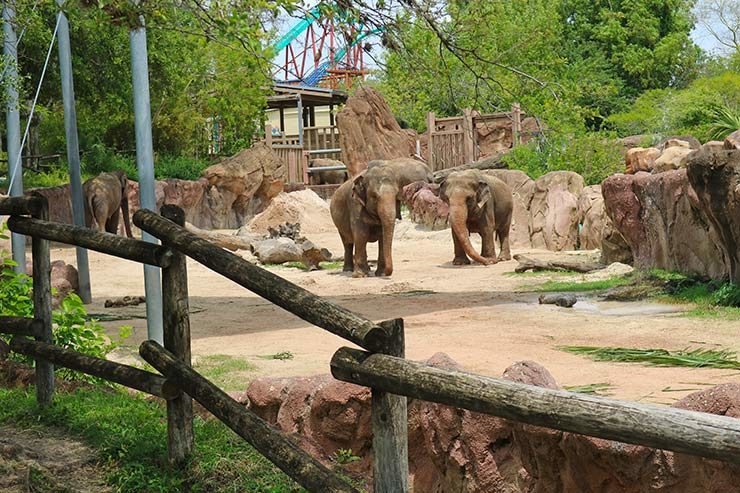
{"x": 282, "y": 356}
{"x": 591, "y": 388}
{"x": 130, "y": 435}
{"x": 227, "y": 372}
{"x": 694, "y": 358}
{"x": 546, "y": 272}
{"x": 575, "y": 286}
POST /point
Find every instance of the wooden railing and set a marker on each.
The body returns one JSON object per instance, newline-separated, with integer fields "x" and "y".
{"x": 381, "y": 366}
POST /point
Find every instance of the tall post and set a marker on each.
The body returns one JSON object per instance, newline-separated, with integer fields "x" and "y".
{"x": 390, "y": 425}
{"x": 468, "y": 136}
{"x": 145, "y": 167}
{"x": 516, "y": 124}
{"x": 268, "y": 135}
{"x": 176, "y": 315}
{"x": 430, "y": 143}
{"x": 73, "y": 148}
{"x": 42, "y": 308}
{"x": 13, "y": 125}
{"x": 299, "y": 111}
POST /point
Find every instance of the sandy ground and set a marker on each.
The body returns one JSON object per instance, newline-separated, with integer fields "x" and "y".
{"x": 477, "y": 315}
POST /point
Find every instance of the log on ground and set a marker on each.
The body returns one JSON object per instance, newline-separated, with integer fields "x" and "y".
{"x": 576, "y": 265}
{"x": 229, "y": 242}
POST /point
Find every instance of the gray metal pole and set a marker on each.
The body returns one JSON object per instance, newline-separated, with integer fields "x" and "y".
{"x": 13, "y": 125}
{"x": 145, "y": 166}
{"x": 73, "y": 149}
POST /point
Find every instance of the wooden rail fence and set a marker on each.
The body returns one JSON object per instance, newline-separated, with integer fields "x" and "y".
{"x": 381, "y": 367}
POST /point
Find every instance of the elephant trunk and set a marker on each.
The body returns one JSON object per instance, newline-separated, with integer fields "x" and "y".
{"x": 459, "y": 224}
{"x": 387, "y": 216}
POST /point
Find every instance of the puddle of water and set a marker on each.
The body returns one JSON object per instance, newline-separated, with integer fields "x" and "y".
{"x": 625, "y": 308}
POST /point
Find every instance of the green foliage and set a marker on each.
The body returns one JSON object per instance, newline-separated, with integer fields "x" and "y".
{"x": 689, "y": 111}
{"x": 694, "y": 358}
{"x": 592, "y": 388}
{"x": 725, "y": 121}
{"x": 594, "y": 156}
{"x": 344, "y": 456}
{"x": 579, "y": 286}
{"x": 130, "y": 436}
{"x": 227, "y": 372}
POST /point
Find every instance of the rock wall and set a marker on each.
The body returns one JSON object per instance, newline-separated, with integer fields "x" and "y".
{"x": 553, "y": 212}
{"x": 454, "y": 450}
{"x": 522, "y": 188}
{"x": 368, "y": 130}
{"x": 661, "y": 219}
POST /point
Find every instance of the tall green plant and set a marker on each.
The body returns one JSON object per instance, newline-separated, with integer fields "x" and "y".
{"x": 725, "y": 121}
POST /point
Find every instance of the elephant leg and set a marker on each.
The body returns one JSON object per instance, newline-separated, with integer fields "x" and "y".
{"x": 488, "y": 237}
{"x": 460, "y": 257}
{"x": 111, "y": 225}
{"x": 379, "y": 271}
{"x": 348, "y": 260}
{"x": 361, "y": 269}
{"x": 503, "y": 236}
{"x": 398, "y": 209}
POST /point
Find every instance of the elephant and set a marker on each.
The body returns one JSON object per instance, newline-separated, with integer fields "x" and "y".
{"x": 409, "y": 171}
{"x": 106, "y": 198}
{"x": 482, "y": 204}
{"x": 364, "y": 211}
{"x": 330, "y": 177}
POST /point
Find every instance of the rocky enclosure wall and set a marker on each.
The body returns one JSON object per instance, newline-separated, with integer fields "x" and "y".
{"x": 457, "y": 451}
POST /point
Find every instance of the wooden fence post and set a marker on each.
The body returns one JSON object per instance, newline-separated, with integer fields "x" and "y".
{"x": 516, "y": 124}
{"x": 268, "y": 135}
{"x": 176, "y": 318}
{"x": 304, "y": 166}
{"x": 430, "y": 133}
{"x": 42, "y": 307}
{"x": 390, "y": 425}
{"x": 468, "y": 136}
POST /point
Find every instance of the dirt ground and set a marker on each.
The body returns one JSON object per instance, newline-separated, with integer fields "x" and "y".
{"x": 479, "y": 316}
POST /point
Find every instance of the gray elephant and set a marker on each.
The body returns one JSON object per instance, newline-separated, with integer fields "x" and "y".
{"x": 482, "y": 204}
{"x": 364, "y": 211}
{"x": 329, "y": 177}
{"x": 106, "y": 198}
{"x": 409, "y": 170}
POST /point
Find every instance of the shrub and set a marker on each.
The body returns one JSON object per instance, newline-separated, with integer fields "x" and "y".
{"x": 182, "y": 167}
{"x": 594, "y": 156}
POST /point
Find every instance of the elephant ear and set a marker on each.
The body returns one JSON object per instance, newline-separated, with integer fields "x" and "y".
{"x": 359, "y": 189}
{"x": 483, "y": 193}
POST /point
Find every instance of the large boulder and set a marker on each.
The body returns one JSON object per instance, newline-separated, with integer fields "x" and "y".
{"x": 522, "y": 188}
{"x": 368, "y": 130}
{"x": 248, "y": 180}
{"x": 425, "y": 206}
{"x": 661, "y": 219}
{"x": 277, "y": 251}
{"x": 732, "y": 141}
{"x": 592, "y": 217}
{"x": 640, "y": 159}
{"x": 715, "y": 176}
{"x": 64, "y": 280}
{"x": 673, "y": 156}
{"x": 553, "y": 223}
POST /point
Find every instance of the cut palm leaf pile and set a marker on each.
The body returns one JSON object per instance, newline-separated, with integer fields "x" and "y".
{"x": 695, "y": 358}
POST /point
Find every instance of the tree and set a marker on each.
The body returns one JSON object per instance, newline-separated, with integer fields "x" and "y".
{"x": 721, "y": 19}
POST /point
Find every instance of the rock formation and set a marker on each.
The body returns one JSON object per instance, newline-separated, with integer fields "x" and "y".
{"x": 425, "y": 206}
{"x": 673, "y": 156}
{"x": 715, "y": 176}
{"x": 457, "y": 451}
{"x": 553, "y": 222}
{"x": 368, "y": 130}
{"x": 661, "y": 219}
{"x": 640, "y": 159}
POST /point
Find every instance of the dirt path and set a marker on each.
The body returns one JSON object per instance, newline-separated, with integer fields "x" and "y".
{"x": 474, "y": 314}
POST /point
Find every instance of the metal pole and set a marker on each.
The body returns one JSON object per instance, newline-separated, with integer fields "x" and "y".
{"x": 73, "y": 149}
{"x": 13, "y": 125}
{"x": 299, "y": 110}
{"x": 145, "y": 166}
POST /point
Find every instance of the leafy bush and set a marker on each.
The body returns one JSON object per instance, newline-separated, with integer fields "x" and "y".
{"x": 725, "y": 121}
{"x": 100, "y": 159}
{"x": 594, "y": 156}
{"x": 184, "y": 168}
{"x": 72, "y": 329}
{"x": 727, "y": 295}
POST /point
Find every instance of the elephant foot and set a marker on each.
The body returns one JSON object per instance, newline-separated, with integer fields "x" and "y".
{"x": 359, "y": 274}
{"x": 503, "y": 258}
{"x": 461, "y": 261}
{"x": 348, "y": 268}
{"x": 383, "y": 273}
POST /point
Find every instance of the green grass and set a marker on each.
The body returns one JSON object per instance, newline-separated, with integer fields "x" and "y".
{"x": 575, "y": 286}
{"x": 227, "y": 372}
{"x": 592, "y": 388}
{"x": 130, "y": 435}
{"x": 546, "y": 272}
{"x": 694, "y": 358}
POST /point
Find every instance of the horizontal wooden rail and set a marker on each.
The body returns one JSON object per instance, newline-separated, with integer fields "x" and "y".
{"x": 145, "y": 381}
{"x": 20, "y": 206}
{"x": 298, "y": 301}
{"x": 276, "y": 447}
{"x": 20, "y": 326}
{"x": 119, "y": 246}
{"x": 326, "y": 168}
{"x": 324, "y": 151}
{"x": 689, "y": 432}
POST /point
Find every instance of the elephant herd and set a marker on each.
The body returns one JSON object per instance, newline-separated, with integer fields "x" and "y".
{"x": 364, "y": 210}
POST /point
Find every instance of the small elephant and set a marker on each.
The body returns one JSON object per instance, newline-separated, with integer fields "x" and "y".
{"x": 329, "y": 177}
{"x": 409, "y": 170}
{"x": 364, "y": 211}
{"x": 106, "y": 198}
{"x": 482, "y": 204}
